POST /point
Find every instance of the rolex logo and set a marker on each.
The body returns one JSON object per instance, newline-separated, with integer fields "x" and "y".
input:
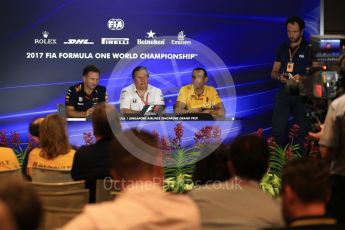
{"x": 45, "y": 34}
{"x": 45, "y": 40}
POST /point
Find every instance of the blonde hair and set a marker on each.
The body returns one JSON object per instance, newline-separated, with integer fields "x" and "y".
{"x": 53, "y": 137}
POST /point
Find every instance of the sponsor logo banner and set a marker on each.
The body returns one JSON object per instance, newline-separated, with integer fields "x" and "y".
{"x": 115, "y": 41}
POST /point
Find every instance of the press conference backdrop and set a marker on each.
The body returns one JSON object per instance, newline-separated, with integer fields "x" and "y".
{"x": 46, "y": 44}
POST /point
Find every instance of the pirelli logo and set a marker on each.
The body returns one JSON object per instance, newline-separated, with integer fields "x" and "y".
{"x": 115, "y": 41}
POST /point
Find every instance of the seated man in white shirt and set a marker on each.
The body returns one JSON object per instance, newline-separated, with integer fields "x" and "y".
{"x": 142, "y": 203}
{"x": 239, "y": 203}
{"x": 135, "y": 96}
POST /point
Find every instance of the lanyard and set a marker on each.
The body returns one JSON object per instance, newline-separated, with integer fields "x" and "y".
{"x": 146, "y": 102}
{"x": 294, "y": 52}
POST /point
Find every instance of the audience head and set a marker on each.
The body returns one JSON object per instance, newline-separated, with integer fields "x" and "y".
{"x": 20, "y": 207}
{"x": 105, "y": 121}
{"x": 213, "y": 167}
{"x": 125, "y": 165}
{"x": 34, "y": 128}
{"x": 305, "y": 183}
{"x": 53, "y": 136}
{"x": 249, "y": 157}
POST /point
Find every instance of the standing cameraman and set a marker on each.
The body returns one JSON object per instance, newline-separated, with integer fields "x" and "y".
{"x": 289, "y": 68}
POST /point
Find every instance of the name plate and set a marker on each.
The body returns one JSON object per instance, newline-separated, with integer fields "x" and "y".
{"x": 168, "y": 117}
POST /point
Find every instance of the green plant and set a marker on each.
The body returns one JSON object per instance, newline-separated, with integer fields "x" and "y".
{"x": 179, "y": 161}
{"x": 279, "y": 157}
{"x": 178, "y": 169}
{"x": 271, "y": 183}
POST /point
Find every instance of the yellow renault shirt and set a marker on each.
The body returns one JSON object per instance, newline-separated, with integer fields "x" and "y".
{"x": 8, "y": 159}
{"x": 207, "y": 100}
{"x": 64, "y": 161}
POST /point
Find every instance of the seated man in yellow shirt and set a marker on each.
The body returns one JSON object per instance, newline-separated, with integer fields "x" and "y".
{"x": 198, "y": 97}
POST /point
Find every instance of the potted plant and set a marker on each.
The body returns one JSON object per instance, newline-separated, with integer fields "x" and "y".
{"x": 179, "y": 161}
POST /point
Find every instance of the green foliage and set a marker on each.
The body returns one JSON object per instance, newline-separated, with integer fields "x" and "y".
{"x": 178, "y": 168}
{"x": 179, "y": 162}
{"x": 279, "y": 157}
{"x": 21, "y": 152}
{"x": 271, "y": 183}
{"x": 178, "y": 184}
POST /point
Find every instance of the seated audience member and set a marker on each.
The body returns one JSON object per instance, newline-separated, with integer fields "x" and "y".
{"x": 8, "y": 159}
{"x": 306, "y": 188}
{"x": 212, "y": 168}
{"x": 142, "y": 203}
{"x": 55, "y": 150}
{"x": 81, "y": 98}
{"x": 20, "y": 208}
{"x": 34, "y": 130}
{"x": 92, "y": 162}
{"x": 198, "y": 97}
{"x": 239, "y": 203}
{"x": 135, "y": 96}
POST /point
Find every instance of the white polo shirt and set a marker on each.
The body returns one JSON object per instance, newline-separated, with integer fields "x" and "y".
{"x": 130, "y": 99}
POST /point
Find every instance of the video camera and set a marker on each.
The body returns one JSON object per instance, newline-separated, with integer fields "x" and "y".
{"x": 324, "y": 81}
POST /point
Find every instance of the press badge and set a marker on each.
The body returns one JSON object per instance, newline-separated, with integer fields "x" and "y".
{"x": 289, "y": 67}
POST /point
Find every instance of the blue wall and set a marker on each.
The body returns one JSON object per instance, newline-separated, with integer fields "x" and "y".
{"x": 235, "y": 40}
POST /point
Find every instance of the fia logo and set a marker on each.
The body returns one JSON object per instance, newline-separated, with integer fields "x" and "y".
{"x": 116, "y": 24}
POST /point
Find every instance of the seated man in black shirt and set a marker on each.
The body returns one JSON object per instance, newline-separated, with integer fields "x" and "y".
{"x": 81, "y": 98}
{"x": 92, "y": 162}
